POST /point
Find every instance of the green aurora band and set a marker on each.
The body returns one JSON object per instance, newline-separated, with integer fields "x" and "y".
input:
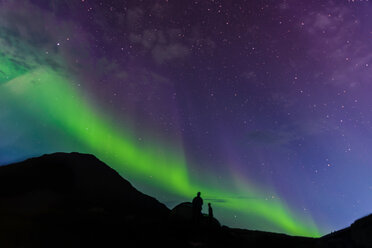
{"x": 48, "y": 97}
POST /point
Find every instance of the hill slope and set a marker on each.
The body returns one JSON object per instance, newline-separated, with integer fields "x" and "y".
{"x": 62, "y": 199}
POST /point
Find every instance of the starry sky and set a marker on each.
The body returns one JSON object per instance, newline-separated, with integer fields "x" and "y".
{"x": 263, "y": 106}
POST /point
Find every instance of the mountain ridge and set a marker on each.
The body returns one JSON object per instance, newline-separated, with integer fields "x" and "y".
{"x": 75, "y": 200}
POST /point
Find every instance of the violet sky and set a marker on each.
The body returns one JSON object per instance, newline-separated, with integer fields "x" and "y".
{"x": 277, "y": 92}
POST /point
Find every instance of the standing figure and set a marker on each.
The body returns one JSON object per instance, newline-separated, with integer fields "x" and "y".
{"x": 210, "y": 211}
{"x": 197, "y": 205}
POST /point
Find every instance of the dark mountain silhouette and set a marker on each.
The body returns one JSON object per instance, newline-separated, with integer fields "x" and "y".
{"x": 75, "y": 200}
{"x": 359, "y": 234}
{"x": 65, "y": 200}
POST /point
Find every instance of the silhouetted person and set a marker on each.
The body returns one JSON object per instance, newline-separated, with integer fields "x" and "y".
{"x": 197, "y": 204}
{"x": 210, "y": 211}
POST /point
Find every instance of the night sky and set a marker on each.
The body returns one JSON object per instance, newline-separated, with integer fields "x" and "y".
{"x": 263, "y": 106}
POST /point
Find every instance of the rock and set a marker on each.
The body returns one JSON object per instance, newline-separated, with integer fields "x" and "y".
{"x": 182, "y": 213}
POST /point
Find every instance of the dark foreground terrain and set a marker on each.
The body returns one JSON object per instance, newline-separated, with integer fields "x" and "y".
{"x": 75, "y": 200}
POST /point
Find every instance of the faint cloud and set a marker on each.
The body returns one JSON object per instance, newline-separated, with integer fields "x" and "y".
{"x": 165, "y": 53}
{"x": 165, "y": 43}
{"x": 338, "y": 41}
{"x": 25, "y": 43}
{"x": 321, "y": 21}
{"x": 283, "y": 98}
{"x": 227, "y": 198}
{"x": 161, "y": 45}
{"x": 249, "y": 75}
{"x": 158, "y": 10}
{"x": 147, "y": 39}
{"x": 267, "y": 137}
{"x": 284, "y": 5}
{"x": 28, "y": 40}
{"x": 134, "y": 17}
{"x": 289, "y": 133}
{"x": 216, "y": 200}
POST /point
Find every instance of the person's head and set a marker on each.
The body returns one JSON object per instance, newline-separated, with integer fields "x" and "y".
{"x": 198, "y": 193}
{"x": 209, "y": 204}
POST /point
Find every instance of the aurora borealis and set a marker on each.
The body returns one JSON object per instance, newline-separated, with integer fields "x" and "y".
{"x": 263, "y": 106}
